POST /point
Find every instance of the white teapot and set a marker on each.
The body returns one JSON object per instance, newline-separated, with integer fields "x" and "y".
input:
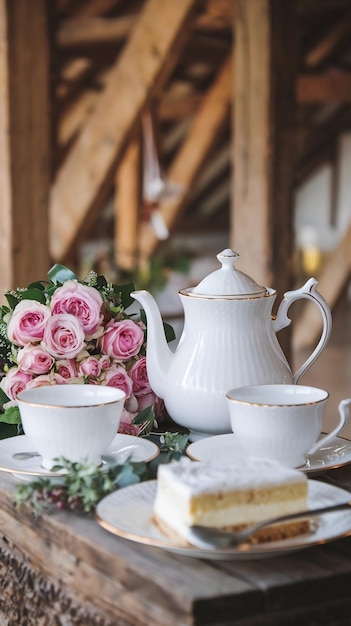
{"x": 228, "y": 340}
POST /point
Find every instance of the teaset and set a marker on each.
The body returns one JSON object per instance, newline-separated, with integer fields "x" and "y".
{"x": 228, "y": 374}
{"x": 229, "y": 341}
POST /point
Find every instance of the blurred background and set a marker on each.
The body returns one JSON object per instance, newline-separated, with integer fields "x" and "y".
{"x": 139, "y": 138}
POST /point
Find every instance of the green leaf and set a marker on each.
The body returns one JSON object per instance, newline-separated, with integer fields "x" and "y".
{"x": 145, "y": 415}
{"x": 3, "y": 398}
{"x": 124, "y": 291}
{"x": 8, "y": 430}
{"x": 33, "y": 294}
{"x": 60, "y": 274}
{"x": 11, "y": 416}
{"x": 169, "y": 332}
{"x": 12, "y": 300}
{"x": 37, "y": 285}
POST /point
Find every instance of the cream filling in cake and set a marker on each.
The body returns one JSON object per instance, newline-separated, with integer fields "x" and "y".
{"x": 235, "y": 495}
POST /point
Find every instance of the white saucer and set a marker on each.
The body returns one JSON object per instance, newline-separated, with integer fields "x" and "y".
{"x": 226, "y": 447}
{"x": 15, "y": 454}
{"x": 128, "y": 513}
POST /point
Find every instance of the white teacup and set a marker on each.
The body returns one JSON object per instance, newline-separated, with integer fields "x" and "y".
{"x": 77, "y": 422}
{"x": 283, "y": 421}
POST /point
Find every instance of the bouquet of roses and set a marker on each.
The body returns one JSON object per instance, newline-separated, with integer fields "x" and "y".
{"x": 68, "y": 331}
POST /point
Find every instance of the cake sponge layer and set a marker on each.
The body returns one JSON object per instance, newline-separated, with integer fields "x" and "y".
{"x": 229, "y": 496}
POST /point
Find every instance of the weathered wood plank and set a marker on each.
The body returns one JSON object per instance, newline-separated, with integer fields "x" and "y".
{"x": 25, "y": 141}
{"x": 120, "y": 579}
{"x": 187, "y": 164}
{"x": 145, "y": 62}
{"x": 72, "y": 571}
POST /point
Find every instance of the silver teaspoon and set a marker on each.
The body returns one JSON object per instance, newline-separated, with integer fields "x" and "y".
{"x": 209, "y": 537}
{"x": 24, "y": 456}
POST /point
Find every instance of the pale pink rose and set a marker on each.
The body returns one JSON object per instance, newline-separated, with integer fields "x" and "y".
{"x": 66, "y": 368}
{"x": 122, "y": 340}
{"x": 138, "y": 374}
{"x": 82, "y": 301}
{"x": 126, "y": 427}
{"x": 150, "y": 399}
{"x": 27, "y": 322}
{"x": 14, "y": 382}
{"x": 41, "y": 381}
{"x": 90, "y": 367}
{"x": 116, "y": 376}
{"x": 63, "y": 336}
{"x": 131, "y": 404}
{"x": 105, "y": 361}
{"x": 34, "y": 359}
{"x": 146, "y": 400}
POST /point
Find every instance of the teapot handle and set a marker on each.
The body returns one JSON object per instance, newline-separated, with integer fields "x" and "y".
{"x": 309, "y": 291}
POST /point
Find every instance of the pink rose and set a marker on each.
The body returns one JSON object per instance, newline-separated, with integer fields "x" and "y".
{"x": 63, "y": 336}
{"x": 27, "y": 322}
{"x": 66, "y": 368}
{"x": 91, "y": 366}
{"x": 146, "y": 400}
{"x": 138, "y": 374}
{"x": 14, "y": 382}
{"x": 105, "y": 361}
{"x": 126, "y": 427}
{"x": 41, "y": 381}
{"x": 122, "y": 340}
{"x": 116, "y": 376}
{"x": 81, "y": 301}
{"x": 34, "y": 359}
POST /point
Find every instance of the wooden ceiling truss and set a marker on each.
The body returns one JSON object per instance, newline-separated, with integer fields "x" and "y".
{"x": 250, "y": 98}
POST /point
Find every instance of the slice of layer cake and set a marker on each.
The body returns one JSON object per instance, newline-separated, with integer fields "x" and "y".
{"x": 229, "y": 496}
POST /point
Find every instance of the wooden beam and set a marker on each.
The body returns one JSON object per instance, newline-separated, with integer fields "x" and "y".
{"x": 329, "y": 43}
{"x": 332, "y": 280}
{"x": 127, "y": 203}
{"x": 219, "y": 163}
{"x": 147, "y": 59}
{"x": 191, "y": 156}
{"x": 86, "y": 29}
{"x": 25, "y": 141}
{"x": 76, "y": 115}
{"x": 264, "y": 143}
{"x": 264, "y": 122}
{"x": 76, "y": 32}
{"x": 333, "y": 86}
{"x": 94, "y": 8}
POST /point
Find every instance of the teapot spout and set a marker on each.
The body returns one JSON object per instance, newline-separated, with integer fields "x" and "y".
{"x": 158, "y": 354}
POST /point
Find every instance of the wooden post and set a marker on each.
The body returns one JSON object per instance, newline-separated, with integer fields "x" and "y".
{"x": 127, "y": 200}
{"x": 25, "y": 140}
{"x": 264, "y": 124}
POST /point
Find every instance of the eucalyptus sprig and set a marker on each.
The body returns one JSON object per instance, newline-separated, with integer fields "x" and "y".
{"x": 173, "y": 445}
{"x": 81, "y": 487}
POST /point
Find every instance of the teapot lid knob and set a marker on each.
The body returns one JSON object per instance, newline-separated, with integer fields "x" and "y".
{"x": 227, "y": 258}
{"x": 228, "y": 281}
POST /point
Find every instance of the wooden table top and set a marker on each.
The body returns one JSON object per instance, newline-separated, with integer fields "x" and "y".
{"x": 68, "y": 566}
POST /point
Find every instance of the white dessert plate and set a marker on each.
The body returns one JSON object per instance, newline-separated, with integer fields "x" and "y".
{"x": 128, "y": 513}
{"x": 226, "y": 447}
{"x": 18, "y": 457}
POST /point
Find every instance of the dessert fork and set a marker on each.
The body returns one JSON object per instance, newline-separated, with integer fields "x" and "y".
{"x": 209, "y": 537}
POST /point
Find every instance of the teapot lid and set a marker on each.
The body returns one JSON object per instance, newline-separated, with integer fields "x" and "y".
{"x": 228, "y": 281}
